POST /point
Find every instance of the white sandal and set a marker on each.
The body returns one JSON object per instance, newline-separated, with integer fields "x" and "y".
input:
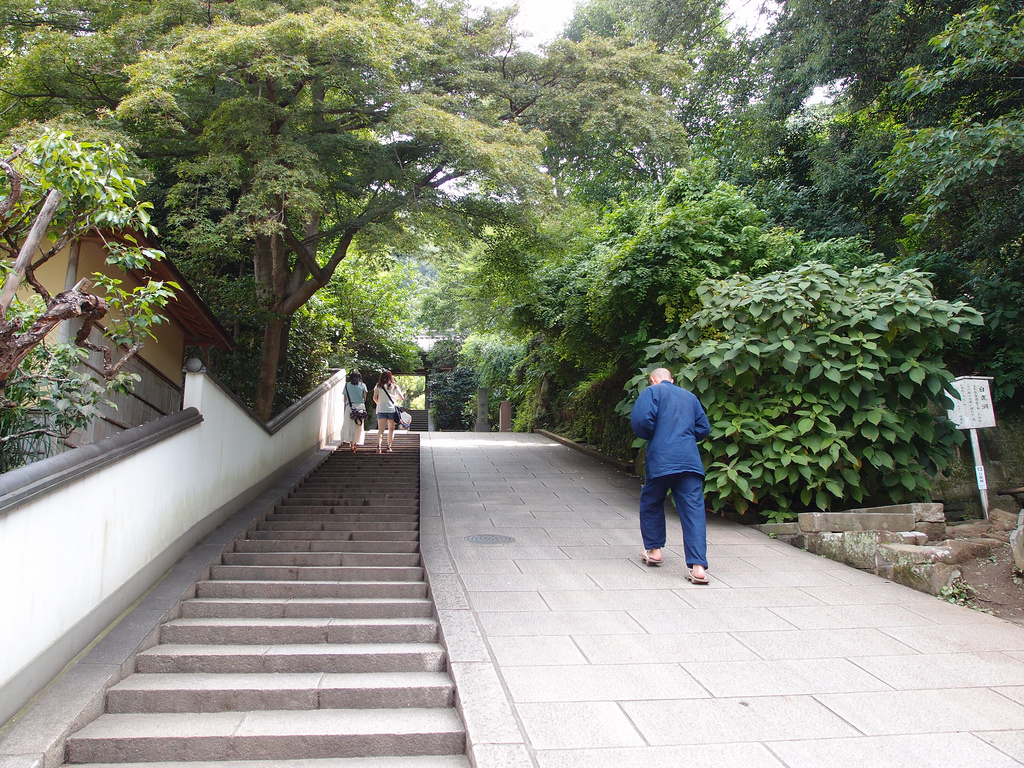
{"x": 645, "y": 556}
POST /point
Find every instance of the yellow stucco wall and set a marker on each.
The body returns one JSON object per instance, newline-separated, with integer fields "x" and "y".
{"x": 166, "y": 354}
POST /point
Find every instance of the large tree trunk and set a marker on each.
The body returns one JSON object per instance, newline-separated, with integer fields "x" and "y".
{"x": 267, "y": 385}
{"x": 291, "y": 288}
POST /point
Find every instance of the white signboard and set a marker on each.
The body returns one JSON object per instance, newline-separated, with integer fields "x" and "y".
{"x": 974, "y": 408}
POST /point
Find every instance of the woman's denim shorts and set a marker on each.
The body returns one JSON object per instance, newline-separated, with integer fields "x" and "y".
{"x": 393, "y": 416}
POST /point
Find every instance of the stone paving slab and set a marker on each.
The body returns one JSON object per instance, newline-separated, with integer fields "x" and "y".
{"x": 567, "y": 651}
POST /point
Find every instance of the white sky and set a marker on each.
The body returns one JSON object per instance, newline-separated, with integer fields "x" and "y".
{"x": 545, "y": 19}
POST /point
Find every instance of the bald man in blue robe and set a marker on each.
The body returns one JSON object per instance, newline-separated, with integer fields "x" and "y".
{"x": 672, "y": 421}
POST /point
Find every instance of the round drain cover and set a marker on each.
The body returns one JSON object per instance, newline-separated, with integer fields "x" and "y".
{"x": 489, "y": 538}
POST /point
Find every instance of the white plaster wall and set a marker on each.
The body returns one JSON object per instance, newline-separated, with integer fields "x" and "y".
{"x": 63, "y": 554}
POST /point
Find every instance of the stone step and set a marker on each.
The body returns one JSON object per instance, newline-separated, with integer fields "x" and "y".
{"x": 408, "y": 482}
{"x": 393, "y": 481}
{"x": 355, "y": 517}
{"x": 337, "y": 535}
{"x": 327, "y": 524}
{"x": 363, "y": 509}
{"x": 399, "y": 469}
{"x": 338, "y": 492}
{"x": 242, "y": 692}
{"x": 306, "y": 631}
{"x": 426, "y": 761}
{"x": 348, "y": 505}
{"x": 407, "y": 485}
{"x": 268, "y": 735}
{"x": 330, "y": 545}
{"x": 314, "y": 589}
{"x": 372, "y": 462}
{"x": 321, "y": 559}
{"x": 406, "y": 491}
{"x": 299, "y": 573}
{"x": 341, "y": 659}
{"x": 208, "y": 608}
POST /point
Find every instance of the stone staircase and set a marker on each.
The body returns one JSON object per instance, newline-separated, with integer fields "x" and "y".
{"x": 313, "y": 643}
{"x": 419, "y": 420}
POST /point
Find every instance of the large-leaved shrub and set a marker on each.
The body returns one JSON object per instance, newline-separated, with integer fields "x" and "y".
{"x": 822, "y": 389}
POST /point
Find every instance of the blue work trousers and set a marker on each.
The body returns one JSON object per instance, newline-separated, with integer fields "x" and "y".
{"x": 688, "y": 495}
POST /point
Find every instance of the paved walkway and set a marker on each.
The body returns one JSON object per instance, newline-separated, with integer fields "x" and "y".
{"x": 567, "y": 651}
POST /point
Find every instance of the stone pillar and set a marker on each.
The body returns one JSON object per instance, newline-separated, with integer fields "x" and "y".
{"x": 505, "y": 417}
{"x": 481, "y": 411}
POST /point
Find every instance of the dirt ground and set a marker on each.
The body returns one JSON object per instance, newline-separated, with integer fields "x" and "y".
{"x": 995, "y": 586}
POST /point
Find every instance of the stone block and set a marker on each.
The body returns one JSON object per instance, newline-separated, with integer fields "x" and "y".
{"x": 1001, "y": 515}
{"x": 1017, "y": 543}
{"x": 856, "y": 520}
{"x": 928, "y": 513}
{"x": 925, "y": 577}
{"x": 968, "y": 529}
{"x": 858, "y": 547}
{"x": 826, "y": 544}
{"x": 931, "y": 531}
{"x": 923, "y": 512}
{"x": 914, "y": 537}
{"x": 950, "y": 552}
{"x": 906, "y": 553}
{"x": 779, "y": 529}
{"x": 883, "y": 567}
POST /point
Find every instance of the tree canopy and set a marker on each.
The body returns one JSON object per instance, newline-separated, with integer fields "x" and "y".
{"x": 331, "y": 172}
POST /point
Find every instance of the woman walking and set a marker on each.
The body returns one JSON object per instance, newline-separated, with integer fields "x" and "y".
{"x": 353, "y": 429}
{"x": 386, "y": 397}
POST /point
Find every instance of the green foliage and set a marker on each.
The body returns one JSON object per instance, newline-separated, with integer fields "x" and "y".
{"x": 453, "y": 398}
{"x": 959, "y": 593}
{"x": 640, "y": 277}
{"x": 587, "y": 413}
{"x": 97, "y": 192}
{"x": 966, "y": 162}
{"x": 415, "y": 389}
{"x": 494, "y": 358}
{"x": 822, "y": 388}
{"x": 655, "y": 253}
{"x": 50, "y": 395}
{"x": 857, "y": 46}
{"x": 959, "y": 173}
{"x": 444, "y": 354}
{"x": 820, "y": 174}
{"x": 361, "y": 321}
{"x": 607, "y": 115}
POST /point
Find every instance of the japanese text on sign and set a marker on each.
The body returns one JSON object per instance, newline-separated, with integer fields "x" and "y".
{"x": 974, "y": 408}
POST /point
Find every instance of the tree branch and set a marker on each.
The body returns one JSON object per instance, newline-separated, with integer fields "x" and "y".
{"x": 68, "y": 305}
{"x": 35, "y": 237}
{"x": 15, "y": 180}
{"x": 304, "y": 255}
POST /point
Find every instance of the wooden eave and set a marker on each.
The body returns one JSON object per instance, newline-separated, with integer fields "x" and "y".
{"x": 202, "y": 329}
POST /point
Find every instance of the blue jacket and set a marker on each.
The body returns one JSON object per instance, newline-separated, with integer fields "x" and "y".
{"x": 672, "y": 421}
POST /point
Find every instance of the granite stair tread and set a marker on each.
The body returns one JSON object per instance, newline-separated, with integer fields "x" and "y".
{"x": 293, "y": 657}
{"x": 212, "y": 692}
{"x": 268, "y": 608}
{"x": 268, "y": 734}
{"x": 417, "y": 761}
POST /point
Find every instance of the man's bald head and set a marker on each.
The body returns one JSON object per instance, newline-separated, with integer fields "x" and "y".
{"x": 659, "y": 375}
